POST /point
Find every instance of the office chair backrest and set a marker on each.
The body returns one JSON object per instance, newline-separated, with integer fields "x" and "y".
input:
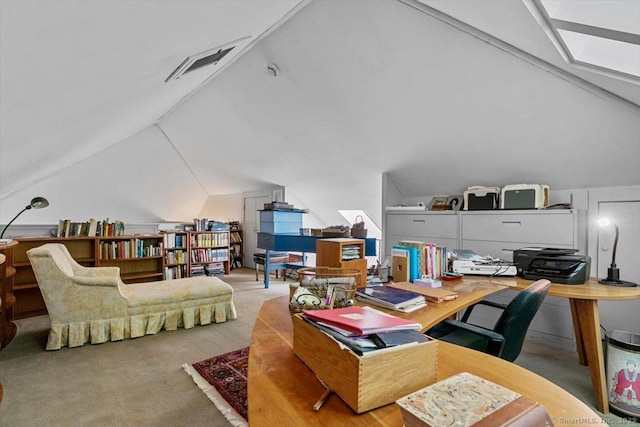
{"x": 517, "y": 316}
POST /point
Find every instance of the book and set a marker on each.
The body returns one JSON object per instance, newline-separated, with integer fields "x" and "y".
{"x": 389, "y": 297}
{"x": 361, "y": 320}
{"x": 396, "y": 338}
{"x": 414, "y": 272}
{"x": 429, "y": 293}
{"x": 400, "y": 268}
{"x": 466, "y": 399}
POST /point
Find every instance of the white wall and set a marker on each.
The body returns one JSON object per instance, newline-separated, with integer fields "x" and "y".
{"x": 141, "y": 179}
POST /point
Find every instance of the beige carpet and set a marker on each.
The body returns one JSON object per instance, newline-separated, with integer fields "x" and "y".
{"x": 141, "y": 382}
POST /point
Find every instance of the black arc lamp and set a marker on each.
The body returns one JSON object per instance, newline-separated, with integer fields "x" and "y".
{"x": 36, "y": 203}
{"x": 613, "y": 273}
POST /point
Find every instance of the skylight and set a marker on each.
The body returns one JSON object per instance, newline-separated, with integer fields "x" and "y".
{"x": 602, "y": 36}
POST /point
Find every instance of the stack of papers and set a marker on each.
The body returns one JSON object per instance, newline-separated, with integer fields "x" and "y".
{"x": 365, "y": 329}
{"x": 394, "y": 299}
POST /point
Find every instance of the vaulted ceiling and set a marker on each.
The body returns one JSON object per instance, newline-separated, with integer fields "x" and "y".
{"x": 439, "y": 94}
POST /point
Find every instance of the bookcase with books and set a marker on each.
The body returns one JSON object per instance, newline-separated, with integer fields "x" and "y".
{"x": 343, "y": 253}
{"x": 139, "y": 257}
{"x": 236, "y": 247}
{"x": 176, "y": 255}
{"x": 29, "y": 300}
{"x": 209, "y": 253}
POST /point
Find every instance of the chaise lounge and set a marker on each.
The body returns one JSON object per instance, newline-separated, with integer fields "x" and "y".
{"x": 92, "y": 304}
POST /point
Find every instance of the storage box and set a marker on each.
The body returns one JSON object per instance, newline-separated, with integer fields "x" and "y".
{"x": 280, "y": 222}
{"x": 370, "y": 381}
{"x": 481, "y": 198}
{"x": 524, "y": 196}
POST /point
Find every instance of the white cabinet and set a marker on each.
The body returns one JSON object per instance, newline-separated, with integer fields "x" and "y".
{"x": 499, "y": 233}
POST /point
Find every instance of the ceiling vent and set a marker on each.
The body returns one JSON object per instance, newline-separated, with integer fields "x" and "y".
{"x": 206, "y": 58}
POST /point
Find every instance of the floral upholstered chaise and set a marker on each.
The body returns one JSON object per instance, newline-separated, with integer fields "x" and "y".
{"x": 92, "y": 304}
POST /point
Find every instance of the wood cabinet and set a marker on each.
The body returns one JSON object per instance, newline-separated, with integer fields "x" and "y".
{"x": 209, "y": 252}
{"x": 343, "y": 253}
{"x": 139, "y": 259}
{"x": 7, "y": 298}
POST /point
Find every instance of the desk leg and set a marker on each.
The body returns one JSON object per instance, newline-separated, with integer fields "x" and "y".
{"x": 267, "y": 262}
{"x": 588, "y": 318}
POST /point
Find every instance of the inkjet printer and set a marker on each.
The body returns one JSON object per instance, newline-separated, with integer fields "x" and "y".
{"x": 557, "y": 265}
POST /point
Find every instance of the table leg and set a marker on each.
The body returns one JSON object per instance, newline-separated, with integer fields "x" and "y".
{"x": 582, "y": 356}
{"x": 588, "y": 318}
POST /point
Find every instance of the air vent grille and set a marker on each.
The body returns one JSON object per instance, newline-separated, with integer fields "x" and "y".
{"x": 206, "y": 58}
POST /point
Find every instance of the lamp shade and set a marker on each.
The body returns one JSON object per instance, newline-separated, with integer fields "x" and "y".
{"x": 39, "y": 203}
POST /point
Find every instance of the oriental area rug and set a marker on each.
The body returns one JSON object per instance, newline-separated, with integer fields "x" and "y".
{"x": 223, "y": 379}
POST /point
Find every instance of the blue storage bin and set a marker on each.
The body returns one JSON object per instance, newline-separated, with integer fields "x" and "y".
{"x": 280, "y": 222}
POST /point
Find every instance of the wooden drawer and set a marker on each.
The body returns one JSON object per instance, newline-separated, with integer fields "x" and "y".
{"x": 442, "y": 225}
{"x": 536, "y": 227}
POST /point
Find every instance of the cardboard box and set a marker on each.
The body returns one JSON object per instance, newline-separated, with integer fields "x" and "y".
{"x": 370, "y": 381}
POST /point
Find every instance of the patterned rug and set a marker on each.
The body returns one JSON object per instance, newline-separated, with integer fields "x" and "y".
{"x": 224, "y": 380}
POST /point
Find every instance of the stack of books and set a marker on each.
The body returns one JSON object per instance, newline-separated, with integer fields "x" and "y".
{"x": 365, "y": 329}
{"x": 394, "y": 299}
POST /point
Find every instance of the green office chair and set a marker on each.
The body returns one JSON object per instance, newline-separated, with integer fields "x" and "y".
{"x": 506, "y": 339}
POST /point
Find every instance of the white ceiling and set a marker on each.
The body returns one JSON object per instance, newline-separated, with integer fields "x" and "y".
{"x": 366, "y": 87}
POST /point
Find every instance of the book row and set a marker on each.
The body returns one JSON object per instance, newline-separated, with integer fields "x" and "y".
{"x": 209, "y": 255}
{"x": 133, "y": 248}
{"x": 209, "y": 239}
{"x": 176, "y": 272}
{"x": 91, "y": 228}
{"x": 204, "y": 224}
{"x": 176, "y": 257}
{"x": 419, "y": 259}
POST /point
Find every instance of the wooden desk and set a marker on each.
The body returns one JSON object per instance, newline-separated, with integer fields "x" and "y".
{"x": 282, "y": 390}
{"x": 583, "y": 300}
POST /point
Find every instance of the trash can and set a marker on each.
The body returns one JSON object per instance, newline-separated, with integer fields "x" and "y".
{"x": 623, "y": 372}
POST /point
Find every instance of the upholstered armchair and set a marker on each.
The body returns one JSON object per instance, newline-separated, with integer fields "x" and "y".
{"x": 92, "y": 304}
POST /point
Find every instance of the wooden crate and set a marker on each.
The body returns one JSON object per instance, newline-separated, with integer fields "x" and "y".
{"x": 370, "y": 381}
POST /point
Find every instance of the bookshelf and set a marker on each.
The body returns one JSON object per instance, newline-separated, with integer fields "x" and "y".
{"x": 176, "y": 255}
{"x": 236, "y": 247}
{"x": 343, "y": 253}
{"x": 209, "y": 253}
{"x": 139, "y": 258}
{"x": 137, "y": 267}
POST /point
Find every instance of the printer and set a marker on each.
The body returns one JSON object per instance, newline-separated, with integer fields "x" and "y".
{"x": 555, "y": 264}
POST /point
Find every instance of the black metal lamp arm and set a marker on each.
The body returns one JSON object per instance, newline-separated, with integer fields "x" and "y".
{"x": 14, "y": 218}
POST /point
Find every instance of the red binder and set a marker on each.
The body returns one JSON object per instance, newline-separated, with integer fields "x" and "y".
{"x": 361, "y": 320}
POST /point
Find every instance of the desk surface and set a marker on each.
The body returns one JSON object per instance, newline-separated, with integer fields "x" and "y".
{"x": 282, "y": 390}
{"x": 591, "y": 290}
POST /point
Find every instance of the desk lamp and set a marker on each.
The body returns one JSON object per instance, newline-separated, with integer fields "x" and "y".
{"x": 36, "y": 203}
{"x": 613, "y": 274}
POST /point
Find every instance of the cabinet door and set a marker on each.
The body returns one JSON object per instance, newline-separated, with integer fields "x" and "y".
{"x": 441, "y": 225}
{"x": 557, "y": 228}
